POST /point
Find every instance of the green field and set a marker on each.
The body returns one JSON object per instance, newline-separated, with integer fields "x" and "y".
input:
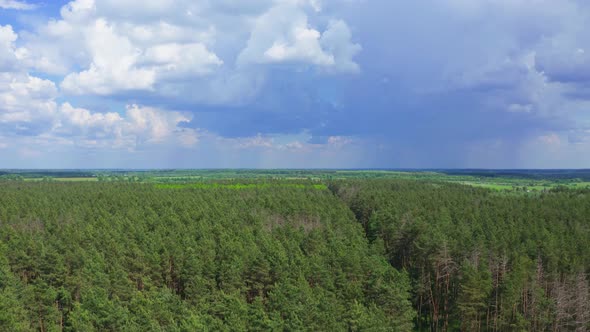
{"x": 239, "y": 186}
{"x": 64, "y": 179}
{"x": 523, "y": 181}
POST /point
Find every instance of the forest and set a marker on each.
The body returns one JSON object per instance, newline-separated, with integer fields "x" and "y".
{"x": 363, "y": 253}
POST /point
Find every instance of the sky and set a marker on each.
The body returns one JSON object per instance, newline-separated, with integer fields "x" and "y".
{"x": 295, "y": 84}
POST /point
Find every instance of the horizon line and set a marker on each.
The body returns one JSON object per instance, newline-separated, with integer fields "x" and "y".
{"x": 294, "y": 169}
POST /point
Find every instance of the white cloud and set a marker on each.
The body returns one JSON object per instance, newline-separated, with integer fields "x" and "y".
{"x": 175, "y": 60}
{"x": 163, "y": 49}
{"x": 284, "y": 35}
{"x": 526, "y": 59}
{"x": 15, "y": 4}
{"x": 339, "y": 141}
{"x": 73, "y": 119}
{"x": 26, "y": 99}
{"x": 28, "y": 108}
{"x": 337, "y": 40}
{"x": 257, "y": 141}
{"x": 8, "y": 58}
{"x": 121, "y": 54}
{"x": 138, "y": 126}
{"x": 152, "y": 124}
{"x": 113, "y": 67}
{"x": 78, "y": 10}
{"x": 144, "y": 34}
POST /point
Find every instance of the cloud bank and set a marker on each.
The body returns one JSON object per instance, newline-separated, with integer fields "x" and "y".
{"x": 295, "y": 83}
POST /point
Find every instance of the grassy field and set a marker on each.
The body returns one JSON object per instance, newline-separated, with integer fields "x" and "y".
{"x": 494, "y": 186}
{"x": 500, "y": 180}
{"x": 525, "y": 185}
{"x": 59, "y": 179}
{"x": 239, "y": 186}
{"x": 91, "y": 179}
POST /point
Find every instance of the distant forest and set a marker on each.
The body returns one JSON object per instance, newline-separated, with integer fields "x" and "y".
{"x": 325, "y": 253}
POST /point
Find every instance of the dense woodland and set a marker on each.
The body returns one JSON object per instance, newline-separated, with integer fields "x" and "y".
{"x": 353, "y": 255}
{"x": 481, "y": 260}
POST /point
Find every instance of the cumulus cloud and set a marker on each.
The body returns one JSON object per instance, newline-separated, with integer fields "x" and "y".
{"x": 174, "y": 60}
{"x": 113, "y": 66}
{"x": 118, "y": 65}
{"x": 435, "y": 85}
{"x": 25, "y": 100}
{"x": 284, "y": 35}
{"x": 8, "y": 59}
{"x": 138, "y": 126}
{"x": 28, "y": 108}
{"x": 161, "y": 49}
{"x": 337, "y": 40}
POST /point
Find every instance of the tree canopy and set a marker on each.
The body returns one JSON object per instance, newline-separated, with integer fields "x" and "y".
{"x": 279, "y": 255}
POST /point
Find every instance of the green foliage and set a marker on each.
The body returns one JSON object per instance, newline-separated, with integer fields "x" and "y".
{"x": 479, "y": 260}
{"x": 120, "y": 256}
{"x": 240, "y": 186}
{"x": 287, "y": 253}
{"x": 472, "y": 300}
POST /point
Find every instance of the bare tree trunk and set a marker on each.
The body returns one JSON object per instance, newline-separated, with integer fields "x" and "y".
{"x": 582, "y": 303}
{"x": 434, "y": 308}
{"x": 560, "y": 297}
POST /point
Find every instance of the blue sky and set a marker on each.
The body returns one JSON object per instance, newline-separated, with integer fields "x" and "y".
{"x": 295, "y": 83}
